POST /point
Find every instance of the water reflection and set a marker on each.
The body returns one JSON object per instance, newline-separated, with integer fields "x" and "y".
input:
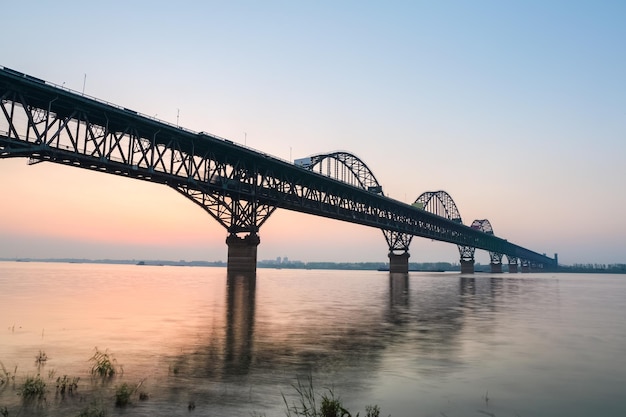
{"x": 425, "y": 317}
{"x": 223, "y": 351}
{"x": 303, "y": 335}
{"x": 357, "y": 334}
{"x": 398, "y": 289}
{"x": 240, "y": 305}
{"x": 233, "y": 344}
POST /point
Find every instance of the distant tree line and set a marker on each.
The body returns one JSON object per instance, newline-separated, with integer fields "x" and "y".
{"x": 595, "y": 268}
{"x": 363, "y": 266}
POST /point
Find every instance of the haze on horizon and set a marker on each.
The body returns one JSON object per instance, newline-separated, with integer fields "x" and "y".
{"x": 518, "y": 111}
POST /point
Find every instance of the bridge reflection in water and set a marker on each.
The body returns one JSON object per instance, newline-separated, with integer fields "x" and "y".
{"x": 266, "y": 343}
{"x": 240, "y": 305}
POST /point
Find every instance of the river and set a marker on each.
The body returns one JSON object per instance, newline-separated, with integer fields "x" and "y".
{"x": 197, "y": 342}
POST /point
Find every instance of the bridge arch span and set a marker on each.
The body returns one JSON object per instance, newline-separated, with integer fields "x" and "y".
{"x": 442, "y": 204}
{"x": 483, "y": 225}
{"x": 343, "y": 166}
{"x": 439, "y": 203}
{"x": 495, "y": 258}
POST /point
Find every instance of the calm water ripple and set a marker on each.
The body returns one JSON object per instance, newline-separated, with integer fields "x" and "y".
{"x": 417, "y": 345}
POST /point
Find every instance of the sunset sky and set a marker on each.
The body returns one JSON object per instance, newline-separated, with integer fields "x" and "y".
{"x": 516, "y": 109}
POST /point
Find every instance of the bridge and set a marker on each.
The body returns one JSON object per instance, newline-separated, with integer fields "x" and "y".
{"x": 238, "y": 186}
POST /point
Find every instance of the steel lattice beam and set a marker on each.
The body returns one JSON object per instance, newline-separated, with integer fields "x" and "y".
{"x": 239, "y": 187}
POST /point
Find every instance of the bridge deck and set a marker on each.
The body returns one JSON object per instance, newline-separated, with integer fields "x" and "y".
{"x": 62, "y": 126}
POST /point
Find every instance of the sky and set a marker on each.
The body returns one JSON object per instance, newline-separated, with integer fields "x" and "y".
{"x": 516, "y": 109}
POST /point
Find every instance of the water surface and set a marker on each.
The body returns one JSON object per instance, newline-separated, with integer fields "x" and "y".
{"x": 439, "y": 344}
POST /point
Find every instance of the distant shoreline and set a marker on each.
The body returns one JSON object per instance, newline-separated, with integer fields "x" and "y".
{"x": 353, "y": 266}
{"x": 364, "y": 266}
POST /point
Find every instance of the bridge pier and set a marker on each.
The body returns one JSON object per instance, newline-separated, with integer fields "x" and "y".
{"x": 495, "y": 260}
{"x": 399, "y": 263}
{"x": 242, "y": 253}
{"x": 525, "y": 266}
{"x": 513, "y": 268}
{"x": 467, "y": 267}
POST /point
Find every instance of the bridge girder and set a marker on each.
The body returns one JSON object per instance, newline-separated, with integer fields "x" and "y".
{"x": 74, "y": 140}
{"x": 46, "y": 123}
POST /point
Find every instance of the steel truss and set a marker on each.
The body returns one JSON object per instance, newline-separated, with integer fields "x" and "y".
{"x": 484, "y": 226}
{"x": 348, "y": 168}
{"x": 397, "y": 241}
{"x": 239, "y": 187}
{"x": 441, "y": 204}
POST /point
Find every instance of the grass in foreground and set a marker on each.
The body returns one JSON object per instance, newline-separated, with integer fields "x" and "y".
{"x": 330, "y": 405}
{"x": 33, "y": 387}
{"x": 104, "y": 365}
{"x": 307, "y": 403}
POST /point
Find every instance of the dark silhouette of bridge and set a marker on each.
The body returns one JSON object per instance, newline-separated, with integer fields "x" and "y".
{"x": 238, "y": 186}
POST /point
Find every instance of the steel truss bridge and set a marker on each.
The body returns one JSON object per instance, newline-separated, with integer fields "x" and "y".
{"x": 238, "y": 186}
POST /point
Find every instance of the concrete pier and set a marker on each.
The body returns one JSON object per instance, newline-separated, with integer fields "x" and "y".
{"x": 467, "y": 267}
{"x": 496, "y": 268}
{"x": 513, "y": 268}
{"x": 399, "y": 263}
{"x": 242, "y": 253}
